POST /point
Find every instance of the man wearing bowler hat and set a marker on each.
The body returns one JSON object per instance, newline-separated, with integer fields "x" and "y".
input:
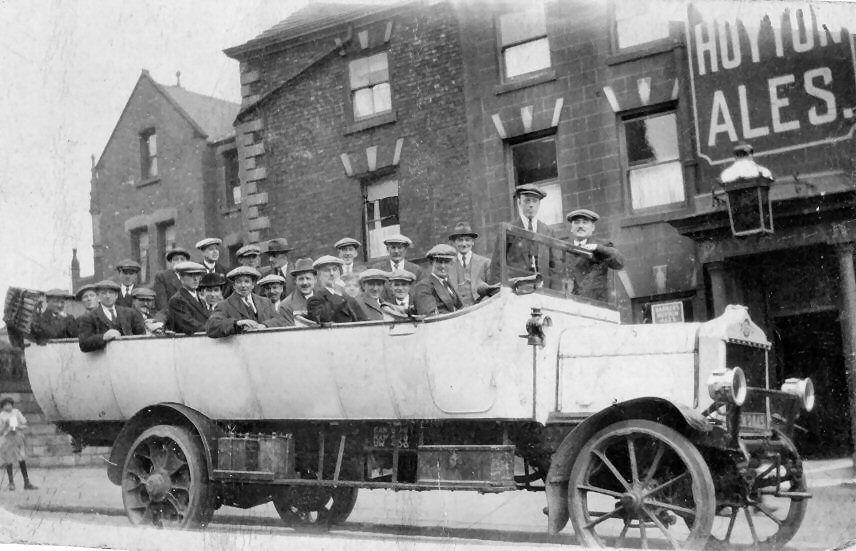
{"x": 469, "y": 273}
{"x": 129, "y": 273}
{"x": 524, "y": 257}
{"x": 108, "y": 321}
{"x": 167, "y": 282}
{"x": 211, "y": 289}
{"x": 277, "y": 251}
{"x": 588, "y": 274}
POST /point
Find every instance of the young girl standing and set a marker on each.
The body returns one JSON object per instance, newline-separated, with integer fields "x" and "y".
{"x": 12, "y": 441}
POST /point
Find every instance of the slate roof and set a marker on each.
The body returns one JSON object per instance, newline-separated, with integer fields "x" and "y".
{"x": 214, "y": 116}
{"x": 313, "y": 17}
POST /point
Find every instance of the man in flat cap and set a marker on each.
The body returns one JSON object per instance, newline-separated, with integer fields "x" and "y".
{"x": 434, "y": 294}
{"x": 108, "y": 321}
{"x": 144, "y": 302}
{"x": 470, "y": 273}
{"x": 211, "y": 289}
{"x": 277, "y": 252}
{"x": 304, "y": 276}
{"x": 54, "y": 323}
{"x": 210, "y": 249}
{"x": 328, "y": 304}
{"x": 244, "y": 310}
{"x": 129, "y": 272}
{"x": 524, "y": 257}
{"x": 249, "y": 255}
{"x": 396, "y": 246}
{"x": 588, "y": 275}
{"x": 271, "y": 287}
{"x": 401, "y": 283}
{"x": 167, "y": 282}
{"x": 347, "y": 249}
{"x": 372, "y": 282}
{"x": 188, "y": 312}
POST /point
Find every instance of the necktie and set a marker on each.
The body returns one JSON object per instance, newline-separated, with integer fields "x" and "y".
{"x": 464, "y": 261}
{"x": 396, "y": 265}
{"x": 112, "y": 314}
{"x": 249, "y": 302}
{"x": 529, "y": 224}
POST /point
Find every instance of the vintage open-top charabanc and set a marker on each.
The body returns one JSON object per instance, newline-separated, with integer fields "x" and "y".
{"x": 639, "y": 434}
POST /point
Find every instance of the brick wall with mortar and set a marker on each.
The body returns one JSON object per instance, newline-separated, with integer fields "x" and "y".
{"x": 303, "y": 159}
{"x": 186, "y": 190}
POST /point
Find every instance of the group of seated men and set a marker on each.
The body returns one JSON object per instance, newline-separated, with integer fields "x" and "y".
{"x": 190, "y": 297}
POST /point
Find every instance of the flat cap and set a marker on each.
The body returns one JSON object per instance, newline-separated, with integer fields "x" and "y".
{"x": 528, "y": 189}
{"x": 442, "y": 251}
{"x": 129, "y": 265}
{"x": 143, "y": 293}
{"x": 278, "y": 245}
{"x": 583, "y": 213}
{"x": 271, "y": 278}
{"x": 347, "y": 241}
{"x": 398, "y": 238}
{"x": 57, "y": 293}
{"x": 188, "y": 267}
{"x": 243, "y": 271}
{"x": 208, "y": 241}
{"x": 176, "y": 251}
{"x": 108, "y": 284}
{"x": 327, "y": 259}
{"x": 249, "y": 250}
{"x": 302, "y": 265}
{"x": 463, "y": 229}
{"x": 212, "y": 279}
{"x": 402, "y": 275}
{"x": 373, "y": 274}
{"x": 88, "y": 287}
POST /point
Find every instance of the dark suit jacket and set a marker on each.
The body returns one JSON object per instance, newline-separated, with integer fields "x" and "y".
{"x": 227, "y": 313}
{"x": 127, "y": 301}
{"x": 325, "y": 307}
{"x": 94, "y": 324}
{"x": 165, "y": 285}
{"x": 371, "y": 309}
{"x": 466, "y": 282}
{"x": 222, "y": 270}
{"x": 290, "y": 285}
{"x": 386, "y": 266}
{"x": 294, "y": 302}
{"x": 589, "y": 275}
{"x": 430, "y": 297}
{"x": 48, "y": 325}
{"x": 519, "y": 253}
{"x": 186, "y": 314}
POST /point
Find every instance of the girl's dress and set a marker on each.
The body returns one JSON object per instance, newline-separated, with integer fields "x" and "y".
{"x": 13, "y": 444}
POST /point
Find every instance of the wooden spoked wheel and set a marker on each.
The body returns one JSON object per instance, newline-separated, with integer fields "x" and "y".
{"x": 759, "y": 518}
{"x": 165, "y": 481}
{"x": 638, "y": 483}
{"x": 315, "y": 506}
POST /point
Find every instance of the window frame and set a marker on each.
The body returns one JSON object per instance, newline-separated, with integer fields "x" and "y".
{"x": 557, "y": 181}
{"x": 641, "y": 49}
{"x": 366, "y": 54}
{"x": 682, "y": 159}
{"x": 146, "y": 157}
{"x": 136, "y": 252}
{"x": 162, "y": 245}
{"x": 376, "y": 206}
{"x": 500, "y": 49}
{"x": 230, "y": 185}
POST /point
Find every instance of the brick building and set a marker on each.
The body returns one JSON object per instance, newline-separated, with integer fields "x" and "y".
{"x": 167, "y": 176}
{"x": 358, "y": 120}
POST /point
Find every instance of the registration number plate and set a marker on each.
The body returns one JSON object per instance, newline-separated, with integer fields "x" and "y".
{"x": 753, "y": 421}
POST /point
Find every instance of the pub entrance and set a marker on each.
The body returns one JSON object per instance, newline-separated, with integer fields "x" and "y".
{"x": 793, "y": 295}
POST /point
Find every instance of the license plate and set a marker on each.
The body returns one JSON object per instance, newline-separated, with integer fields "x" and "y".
{"x": 753, "y": 421}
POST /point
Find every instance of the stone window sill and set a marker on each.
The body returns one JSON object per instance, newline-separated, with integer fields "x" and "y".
{"x": 365, "y": 124}
{"x": 545, "y": 75}
{"x": 148, "y": 182}
{"x": 661, "y": 214}
{"x": 644, "y": 50}
{"x": 230, "y": 210}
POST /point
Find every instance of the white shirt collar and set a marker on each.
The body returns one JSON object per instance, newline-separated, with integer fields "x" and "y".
{"x": 109, "y": 311}
{"x": 526, "y": 221}
{"x": 580, "y": 242}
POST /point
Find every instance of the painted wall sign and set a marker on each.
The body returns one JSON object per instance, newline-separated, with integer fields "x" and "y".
{"x": 781, "y": 78}
{"x": 667, "y": 312}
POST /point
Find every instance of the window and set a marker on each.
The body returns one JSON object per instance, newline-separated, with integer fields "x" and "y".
{"x": 370, "y": 92}
{"x": 149, "y": 154}
{"x": 166, "y": 241}
{"x": 655, "y": 174}
{"x": 232, "y": 251}
{"x": 663, "y": 310}
{"x": 641, "y": 21}
{"x": 523, "y": 43}
{"x": 140, "y": 251}
{"x": 381, "y": 215}
{"x": 230, "y": 177}
{"x": 534, "y": 162}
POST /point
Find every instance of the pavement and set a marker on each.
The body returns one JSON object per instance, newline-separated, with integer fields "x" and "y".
{"x": 79, "y": 507}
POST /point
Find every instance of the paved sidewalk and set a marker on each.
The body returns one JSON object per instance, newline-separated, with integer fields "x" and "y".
{"x": 823, "y": 473}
